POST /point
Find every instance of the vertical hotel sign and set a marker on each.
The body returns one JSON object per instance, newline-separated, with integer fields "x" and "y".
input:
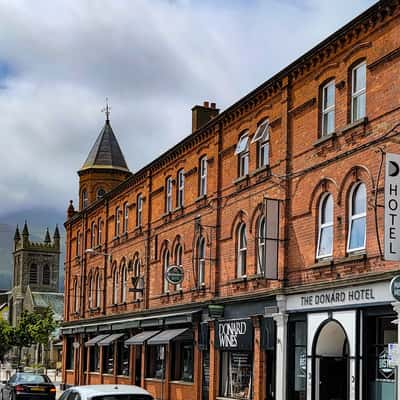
{"x": 392, "y": 207}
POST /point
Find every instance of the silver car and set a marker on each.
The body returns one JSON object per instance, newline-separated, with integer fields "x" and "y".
{"x": 106, "y": 392}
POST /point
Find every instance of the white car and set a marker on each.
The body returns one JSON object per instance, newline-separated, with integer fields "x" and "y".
{"x": 106, "y": 392}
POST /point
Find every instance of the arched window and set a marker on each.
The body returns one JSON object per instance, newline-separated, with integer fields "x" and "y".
{"x": 93, "y": 235}
{"x": 261, "y": 248}
{"x": 33, "y": 274}
{"x": 115, "y": 285}
{"x": 180, "y": 194}
{"x": 178, "y": 260}
{"x": 139, "y": 210}
{"x": 90, "y": 290}
{"x": 165, "y": 267}
{"x": 325, "y": 227}
{"x": 124, "y": 278}
{"x": 100, "y": 193}
{"x": 358, "y": 91}
{"x": 46, "y": 275}
{"x": 99, "y": 231}
{"x": 242, "y": 250}
{"x": 98, "y": 290}
{"x": 201, "y": 260}
{"x": 242, "y": 151}
{"x": 126, "y": 217}
{"x": 76, "y": 296}
{"x": 84, "y": 199}
{"x": 117, "y": 221}
{"x": 203, "y": 176}
{"x": 357, "y": 218}
{"x": 136, "y": 274}
{"x": 168, "y": 195}
{"x": 261, "y": 137}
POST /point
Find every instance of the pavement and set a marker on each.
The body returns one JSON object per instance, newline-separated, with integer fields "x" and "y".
{"x": 5, "y": 373}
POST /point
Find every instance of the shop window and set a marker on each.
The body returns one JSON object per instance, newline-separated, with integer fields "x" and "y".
{"x": 242, "y": 151}
{"x": 182, "y": 367}
{"x": 201, "y": 260}
{"x": 94, "y": 363}
{"x": 168, "y": 195}
{"x": 123, "y": 353}
{"x": 328, "y": 109}
{"x": 241, "y": 251}
{"x": 358, "y": 91}
{"x": 155, "y": 362}
{"x": 325, "y": 228}
{"x": 108, "y": 359}
{"x": 298, "y": 360}
{"x": 261, "y": 137}
{"x": 69, "y": 353}
{"x": 203, "y": 176}
{"x": 139, "y": 210}
{"x": 180, "y": 195}
{"x": 357, "y": 218}
{"x": 46, "y": 275}
{"x": 381, "y": 375}
{"x": 236, "y": 374}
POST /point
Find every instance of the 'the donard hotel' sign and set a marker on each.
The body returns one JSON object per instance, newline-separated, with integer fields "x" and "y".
{"x": 341, "y": 297}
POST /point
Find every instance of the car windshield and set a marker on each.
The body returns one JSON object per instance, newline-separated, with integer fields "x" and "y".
{"x": 123, "y": 397}
{"x": 31, "y": 378}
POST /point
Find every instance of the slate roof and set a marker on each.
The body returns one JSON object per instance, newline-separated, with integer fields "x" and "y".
{"x": 48, "y": 299}
{"x": 106, "y": 152}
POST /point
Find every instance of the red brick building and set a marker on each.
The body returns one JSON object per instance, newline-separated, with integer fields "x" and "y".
{"x": 271, "y": 209}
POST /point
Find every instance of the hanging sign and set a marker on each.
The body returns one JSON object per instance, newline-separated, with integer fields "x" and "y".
{"x": 234, "y": 334}
{"x": 392, "y": 207}
{"x": 174, "y": 274}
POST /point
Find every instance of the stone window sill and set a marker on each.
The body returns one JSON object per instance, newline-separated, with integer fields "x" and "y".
{"x": 355, "y": 124}
{"x": 260, "y": 170}
{"x": 241, "y": 179}
{"x": 324, "y": 139}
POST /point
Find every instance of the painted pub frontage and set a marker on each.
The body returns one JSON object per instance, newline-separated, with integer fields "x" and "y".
{"x": 248, "y": 261}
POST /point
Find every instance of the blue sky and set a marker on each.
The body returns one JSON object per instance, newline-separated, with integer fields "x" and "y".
{"x": 145, "y": 56}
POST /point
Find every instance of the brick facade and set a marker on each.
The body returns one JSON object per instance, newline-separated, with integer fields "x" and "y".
{"x": 303, "y": 167}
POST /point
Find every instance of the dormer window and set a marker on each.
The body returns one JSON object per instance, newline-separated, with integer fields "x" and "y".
{"x": 242, "y": 151}
{"x": 261, "y": 137}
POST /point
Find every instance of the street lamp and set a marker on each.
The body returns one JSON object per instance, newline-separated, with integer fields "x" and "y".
{"x": 94, "y": 251}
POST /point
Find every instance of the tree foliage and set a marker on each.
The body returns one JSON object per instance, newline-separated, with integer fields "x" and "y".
{"x": 5, "y": 338}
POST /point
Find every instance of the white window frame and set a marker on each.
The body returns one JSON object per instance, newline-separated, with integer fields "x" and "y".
{"x": 117, "y": 221}
{"x": 78, "y": 244}
{"x": 76, "y": 296}
{"x": 261, "y": 138}
{"x": 242, "y": 151}
{"x": 93, "y": 235}
{"x": 136, "y": 273}
{"x": 241, "y": 251}
{"x": 85, "y": 200}
{"x": 360, "y": 92}
{"x": 262, "y": 132}
{"x": 203, "y": 176}
{"x": 322, "y": 226}
{"x": 168, "y": 195}
{"x": 178, "y": 261}
{"x": 180, "y": 198}
{"x": 139, "y": 209}
{"x": 325, "y": 111}
{"x": 99, "y": 232}
{"x": 115, "y": 285}
{"x": 201, "y": 261}
{"x": 98, "y": 290}
{"x": 124, "y": 279}
{"x": 165, "y": 267}
{"x": 261, "y": 246}
{"x": 90, "y": 290}
{"x": 355, "y": 217}
{"x": 126, "y": 217}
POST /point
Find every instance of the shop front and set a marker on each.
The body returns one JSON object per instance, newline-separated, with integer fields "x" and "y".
{"x": 338, "y": 343}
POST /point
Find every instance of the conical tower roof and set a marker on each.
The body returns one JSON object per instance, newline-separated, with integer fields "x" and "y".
{"x": 106, "y": 152}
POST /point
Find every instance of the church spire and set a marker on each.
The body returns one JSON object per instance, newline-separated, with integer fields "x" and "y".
{"x": 25, "y": 231}
{"x": 17, "y": 236}
{"x": 47, "y": 237}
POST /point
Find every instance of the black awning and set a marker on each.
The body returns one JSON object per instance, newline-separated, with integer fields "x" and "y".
{"x": 141, "y": 338}
{"x": 110, "y": 339}
{"x": 169, "y": 335}
{"x": 95, "y": 340}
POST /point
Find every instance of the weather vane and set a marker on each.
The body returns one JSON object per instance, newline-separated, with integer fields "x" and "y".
{"x": 107, "y": 110}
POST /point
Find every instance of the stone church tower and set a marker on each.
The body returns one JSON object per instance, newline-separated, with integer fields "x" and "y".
{"x": 36, "y": 267}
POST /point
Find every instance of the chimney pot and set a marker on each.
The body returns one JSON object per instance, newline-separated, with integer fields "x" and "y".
{"x": 213, "y": 106}
{"x": 206, "y": 104}
{"x": 201, "y": 115}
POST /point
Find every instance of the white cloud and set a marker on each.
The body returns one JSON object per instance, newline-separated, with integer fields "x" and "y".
{"x": 154, "y": 59}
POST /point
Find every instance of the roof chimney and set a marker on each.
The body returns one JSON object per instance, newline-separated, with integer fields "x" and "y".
{"x": 203, "y": 114}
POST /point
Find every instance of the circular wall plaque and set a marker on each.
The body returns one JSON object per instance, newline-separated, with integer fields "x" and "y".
{"x": 174, "y": 274}
{"x": 395, "y": 287}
